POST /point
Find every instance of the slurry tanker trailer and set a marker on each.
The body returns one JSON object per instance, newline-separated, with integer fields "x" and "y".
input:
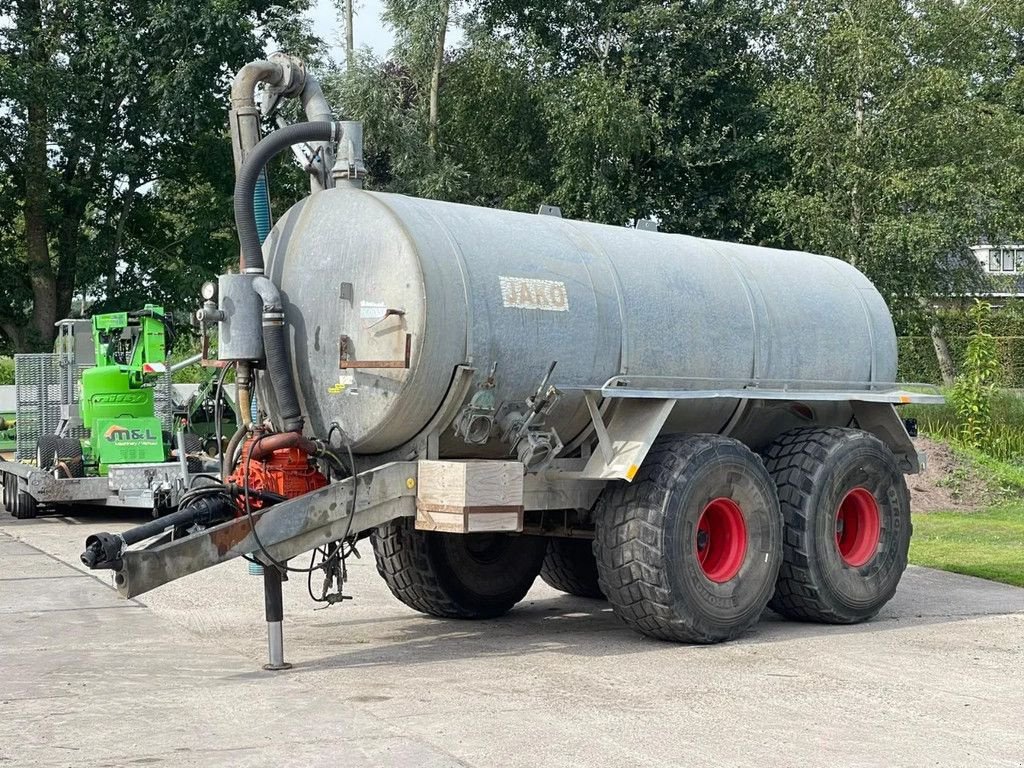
{"x": 692, "y": 430}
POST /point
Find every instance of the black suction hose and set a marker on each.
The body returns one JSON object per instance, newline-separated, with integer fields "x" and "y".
{"x": 278, "y": 364}
{"x": 248, "y": 176}
{"x": 274, "y": 344}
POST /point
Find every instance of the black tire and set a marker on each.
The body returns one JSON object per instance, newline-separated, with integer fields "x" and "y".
{"x": 570, "y": 567}
{"x": 47, "y": 449}
{"x": 69, "y": 452}
{"x": 827, "y": 575}
{"x": 7, "y": 490}
{"x": 193, "y": 447}
{"x": 652, "y": 564}
{"x": 25, "y": 506}
{"x": 456, "y": 576}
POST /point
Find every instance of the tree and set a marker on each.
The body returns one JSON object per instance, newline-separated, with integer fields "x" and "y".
{"x": 654, "y": 107}
{"x": 614, "y": 111}
{"x": 897, "y": 125}
{"x": 108, "y": 102}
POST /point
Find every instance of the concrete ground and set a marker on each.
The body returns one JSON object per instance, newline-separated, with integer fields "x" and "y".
{"x": 174, "y": 678}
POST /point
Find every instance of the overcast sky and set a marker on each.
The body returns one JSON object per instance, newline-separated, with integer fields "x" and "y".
{"x": 369, "y": 29}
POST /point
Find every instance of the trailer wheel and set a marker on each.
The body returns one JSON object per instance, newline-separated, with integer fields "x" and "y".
{"x": 70, "y": 455}
{"x": 690, "y": 550}
{"x": 456, "y": 576}
{"x": 193, "y": 446}
{"x": 847, "y": 512}
{"x": 570, "y": 567}
{"x": 7, "y": 490}
{"x": 46, "y": 451}
{"x": 25, "y": 506}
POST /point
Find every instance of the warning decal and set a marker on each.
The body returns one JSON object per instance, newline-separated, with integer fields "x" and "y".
{"x": 531, "y": 293}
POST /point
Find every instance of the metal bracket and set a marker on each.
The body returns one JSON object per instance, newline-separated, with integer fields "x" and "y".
{"x": 344, "y": 342}
{"x": 625, "y": 440}
{"x": 881, "y": 420}
{"x": 286, "y": 530}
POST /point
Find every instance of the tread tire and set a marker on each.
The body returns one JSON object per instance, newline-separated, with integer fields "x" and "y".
{"x": 47, "y": 451}
{"x": 193, "y": 446}
{"x": 813, "y": 470}
{"x": 25, "y": 506}
{"x": 647, "y": 532}
{"x": 69, "y": 451}
{"x": 570, "y": 567}
{"x": 437, "y": 574}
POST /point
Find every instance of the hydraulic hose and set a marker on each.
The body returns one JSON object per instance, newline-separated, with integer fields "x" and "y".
{"x": 274, "y": 343}
{"x": 278, "y": 363}
{"x": 248, "y": 176}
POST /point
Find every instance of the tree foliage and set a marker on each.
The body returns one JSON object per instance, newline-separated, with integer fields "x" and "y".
{"x": 886, "y": 132}
{"x": 614, "y": 111}
{"x": 900, "y": 124}
{"x": 115, "y": 110}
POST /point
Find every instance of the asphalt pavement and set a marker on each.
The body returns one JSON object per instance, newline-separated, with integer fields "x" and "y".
{"x": 174, "y": 678}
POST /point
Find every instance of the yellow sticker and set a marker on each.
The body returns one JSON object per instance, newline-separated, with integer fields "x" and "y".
{"x": 410, "y": 483}
{"x": 631, "y": 472}
{"x": 904, "y": 398}
{"x": 335, "y": 389}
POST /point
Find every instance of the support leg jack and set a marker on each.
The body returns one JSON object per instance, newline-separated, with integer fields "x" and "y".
{"x": 274, "y": 601}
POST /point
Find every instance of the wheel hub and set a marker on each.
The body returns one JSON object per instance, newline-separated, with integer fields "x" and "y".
{"x": 721, "y": 540}
{"x": 858, "y": 527}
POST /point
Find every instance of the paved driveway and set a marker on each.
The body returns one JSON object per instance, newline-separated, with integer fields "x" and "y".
{"x": 88, "y": 679}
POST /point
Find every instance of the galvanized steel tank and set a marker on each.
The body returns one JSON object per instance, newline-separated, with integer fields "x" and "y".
{"x": 367, "y": 276}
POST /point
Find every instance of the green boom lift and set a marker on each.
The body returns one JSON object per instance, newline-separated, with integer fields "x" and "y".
{"x": 117, "y": 395}
{"x": 117, "y": 404}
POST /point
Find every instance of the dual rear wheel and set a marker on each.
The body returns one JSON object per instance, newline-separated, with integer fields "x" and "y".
{"x": 705, "y": 537}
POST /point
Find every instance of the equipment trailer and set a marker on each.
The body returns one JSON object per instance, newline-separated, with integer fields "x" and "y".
{"x": 691, "y": 429}
{"x": 95, "y": 420}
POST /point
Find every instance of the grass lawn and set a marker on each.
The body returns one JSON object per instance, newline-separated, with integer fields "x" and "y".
{"x": 988, "y": 544}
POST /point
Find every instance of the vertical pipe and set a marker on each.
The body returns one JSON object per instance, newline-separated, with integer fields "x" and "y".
{"x": 273, "y": 599}
{"x": 182, "y": 456}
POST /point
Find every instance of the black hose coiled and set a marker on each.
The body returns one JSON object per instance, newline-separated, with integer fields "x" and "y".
{"x": 248, "y": 175}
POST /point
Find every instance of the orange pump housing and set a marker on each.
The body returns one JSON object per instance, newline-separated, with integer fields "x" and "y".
{"x": 289, "y": 472}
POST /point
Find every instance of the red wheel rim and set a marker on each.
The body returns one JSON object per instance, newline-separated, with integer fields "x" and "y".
{"x": 858, "y": 527}
{"x": 721, "y": 540}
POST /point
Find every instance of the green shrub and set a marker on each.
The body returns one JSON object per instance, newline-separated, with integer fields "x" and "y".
{"x": 6, "y": 370}
{"x": 972, "y": 394}
{"x": 1005, "y": 440}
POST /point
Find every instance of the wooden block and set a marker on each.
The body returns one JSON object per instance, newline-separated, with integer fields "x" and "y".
{"x": 469, "y": 496}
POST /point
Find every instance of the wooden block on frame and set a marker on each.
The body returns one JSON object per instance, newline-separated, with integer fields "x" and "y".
{"x": 469, "y": 496}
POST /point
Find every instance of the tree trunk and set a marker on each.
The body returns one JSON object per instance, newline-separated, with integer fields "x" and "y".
{"x": 856, "y": 210}
{"x": 349, "y": 37}
{"x": 946, "y": 366}
{"x": 36, "y": 167}
{"x": 435, "y": 76}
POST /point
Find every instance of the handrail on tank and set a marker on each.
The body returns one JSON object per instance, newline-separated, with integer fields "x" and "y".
{"x": 696, "y": 387}
{"x": 674, "y": 382}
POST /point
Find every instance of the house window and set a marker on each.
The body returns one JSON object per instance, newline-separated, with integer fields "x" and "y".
{"x": 1008, "y": 260}
{"x": 993, "y": 260}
